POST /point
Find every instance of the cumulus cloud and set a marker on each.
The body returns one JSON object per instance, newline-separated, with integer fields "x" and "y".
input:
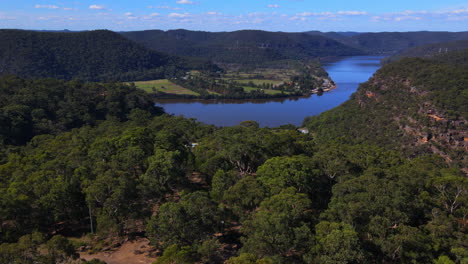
{"x": 165, "y": 7}
{"x": 459, "y": 11}
{"x": 53, "y": 7}
{"x": 212, "y": 13}
{"x": 2, "y": 17}
{"x": 273, "y": 6}
{"x": 130, "y": 15}
{"x": 184, "y": 2}
{"x": 178, "y": 15}
{"x": 352, "y": 13}
{"x": 97, "y": 7}
{"x": 47, "y": 6}
{"x": 333, "y": 14}
{"x": 415, "y": 15}
{"x": 402, "y": 18}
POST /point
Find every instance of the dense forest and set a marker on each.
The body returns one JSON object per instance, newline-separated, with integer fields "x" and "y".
{"x": 377, "y": 180}
{"x": 258, "y": 47}
{"x": 33, "y": 107}
{"x": 431, "y": 51}
{"x": 394, "y": 42}
{"x": 99, "y": 55}
{"x": 242, "y": 47}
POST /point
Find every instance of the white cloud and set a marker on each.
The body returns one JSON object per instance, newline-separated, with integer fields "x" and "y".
{"x": 457, "y": 18}
{"x": 47, "y": 6}
{"x": 212, "y": 13}
{"x": 459, "y": 11}
{"x": 184, "y": 2}
{"x": 178, "y": 15}
{"x": 97, "y": 7}
{"x": 165, "y": 7}
{"x": 130, "y": 15}
{"x": 273, "y": 6}
{"x": 2, "y": 17}
{"x": 352, "y": 13}
{"x": 402, "y": 18}
{"x": 306, "y": 14}
{"x": 151, "y": 16}
{"x": 410, "y": 12}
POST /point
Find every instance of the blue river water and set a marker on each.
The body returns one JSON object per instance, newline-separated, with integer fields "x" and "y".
{"x": 347, "y": 73}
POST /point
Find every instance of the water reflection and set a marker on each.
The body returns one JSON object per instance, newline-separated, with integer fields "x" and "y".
{"x": 228, "y": 101}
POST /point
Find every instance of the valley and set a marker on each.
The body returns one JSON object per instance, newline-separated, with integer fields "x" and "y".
{"x": 241, "y": 147}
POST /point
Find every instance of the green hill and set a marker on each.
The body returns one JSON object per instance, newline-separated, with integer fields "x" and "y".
{"x": 245, "y": 47}
{"x": 393, "y": 42}
{"x": 93, "y": 55}
{"x": 436, "y": 50}
{"x": 414, "y": 105}
{"x": 47, "y": 106}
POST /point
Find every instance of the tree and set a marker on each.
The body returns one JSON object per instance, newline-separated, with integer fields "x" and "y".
{"x": 189, "y": 221}
{"x": 60, "y": 249}
{"x": 221, "y": 182}
{"x": 165, "y": 169}
{"x": 336, "y": 243}
{"x": 297, "y": 171}
{"x": 245, "y": 196}
{"x": 248, "y": 258}
{"x": 115, "y": 196}
{"x": 452, "y": 190}
{"x": 280, "y": 226}
{"x": 176, "y": 255}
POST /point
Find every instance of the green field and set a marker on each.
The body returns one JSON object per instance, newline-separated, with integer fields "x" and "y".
{"x": 267, "y": 91}
{"x": 165, "y": 86}
{"x": 258, "y": 81}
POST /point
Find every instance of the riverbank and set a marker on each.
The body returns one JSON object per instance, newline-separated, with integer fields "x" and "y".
{"x": 297, "y": 79}
{"x": 346, "y": 73}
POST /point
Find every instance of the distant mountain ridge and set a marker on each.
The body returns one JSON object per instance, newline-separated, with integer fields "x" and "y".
{"x": 245, "y": 46}
{"x": 430, "y": 51}
{"x": 104, "y": 55}
{"x": 99, "y": 55}
{"x": 253, "y": 46}
{"x": 394, "y": 42}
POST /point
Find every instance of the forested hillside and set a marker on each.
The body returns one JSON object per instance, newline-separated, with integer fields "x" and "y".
{"x": 414, "y": 105}
{"x": 47, "y": 106}
{"x": 393, "y": 42}
{"x": 245, "y": 47}
{"x": 440, "y": 50}
{"x": 99, "y": 55}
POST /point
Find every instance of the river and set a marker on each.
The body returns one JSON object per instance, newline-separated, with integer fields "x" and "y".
{"x": 347, "y": 73}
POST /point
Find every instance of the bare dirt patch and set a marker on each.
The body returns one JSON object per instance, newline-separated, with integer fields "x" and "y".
{"x": 137, "y": 251}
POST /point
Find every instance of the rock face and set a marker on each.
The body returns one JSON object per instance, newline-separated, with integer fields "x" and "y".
{"x": 429, "y": 128}
{"x": 415, "y": 106}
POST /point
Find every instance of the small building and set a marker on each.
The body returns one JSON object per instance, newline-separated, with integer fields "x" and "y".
{"x": 303, "y": 130}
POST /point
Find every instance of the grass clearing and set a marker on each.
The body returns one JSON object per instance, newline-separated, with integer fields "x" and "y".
{"x": 259, "y": 81}
{"x": 267, "y": 91}
{"x": 165, "y": 86}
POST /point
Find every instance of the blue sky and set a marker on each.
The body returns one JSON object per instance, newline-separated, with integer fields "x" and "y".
{"x": 214, "y": 15}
